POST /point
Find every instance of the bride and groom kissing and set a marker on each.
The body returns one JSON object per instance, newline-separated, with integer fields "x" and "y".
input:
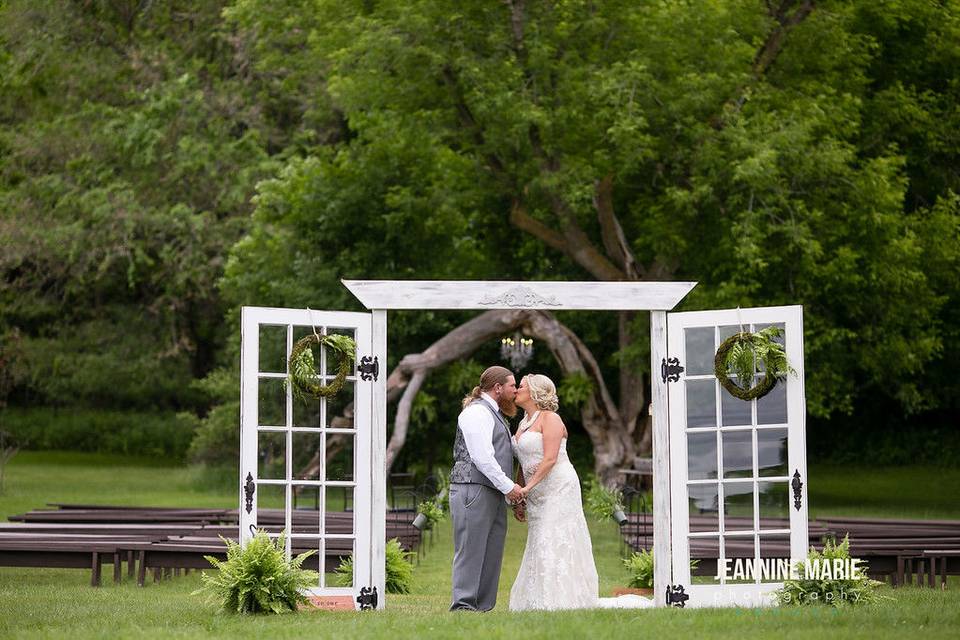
{"x": 557, "y": 570}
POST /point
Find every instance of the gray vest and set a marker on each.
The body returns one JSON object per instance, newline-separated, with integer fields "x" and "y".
{"x": 464, "y": 471}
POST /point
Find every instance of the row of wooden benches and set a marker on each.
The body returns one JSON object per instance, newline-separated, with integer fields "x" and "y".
{"x": 165, "y": 540}
{"x": 925, "y": 551}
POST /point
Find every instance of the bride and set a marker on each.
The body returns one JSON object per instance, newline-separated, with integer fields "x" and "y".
{"x": 557, "y": 570}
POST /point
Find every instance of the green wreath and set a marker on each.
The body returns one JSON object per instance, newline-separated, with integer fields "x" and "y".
{"x": 737, "y": 355}
{"x": 303, "y": 375}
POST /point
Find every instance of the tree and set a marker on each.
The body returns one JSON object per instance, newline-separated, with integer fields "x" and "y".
{"x": 623, "y": 148}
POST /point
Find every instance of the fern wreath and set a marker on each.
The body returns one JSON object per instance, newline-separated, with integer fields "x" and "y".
{"x": 761, "y": 389}
{"x": 345, "y": 349}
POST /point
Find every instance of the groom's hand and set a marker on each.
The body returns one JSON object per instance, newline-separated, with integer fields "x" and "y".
{"x": 516, "y": 494}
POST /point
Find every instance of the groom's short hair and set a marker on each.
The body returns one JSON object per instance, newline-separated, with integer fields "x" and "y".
{"x": 491, "y": 377}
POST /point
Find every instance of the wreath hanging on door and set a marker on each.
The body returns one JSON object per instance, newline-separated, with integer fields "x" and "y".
{"x": 304, "y": 377}
{"x": 738, "y": 353}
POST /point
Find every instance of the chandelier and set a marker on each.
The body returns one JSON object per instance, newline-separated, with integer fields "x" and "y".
{"x": 517, "y": 350}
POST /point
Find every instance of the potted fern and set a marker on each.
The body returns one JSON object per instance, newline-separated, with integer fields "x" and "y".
{"x": 399, "y": 572}
{"x": 258, "y": 578}
{"x": 429, "y": 513}
{"x": 604, "y": 503}
{"x": 838, "y": 592}
{"x": 640, "y": 567}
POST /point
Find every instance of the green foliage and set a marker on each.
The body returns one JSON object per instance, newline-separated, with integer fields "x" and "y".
{"x": 162, "y": 164}
{"x": 165, "y": 435}
{"x": 433, "y": 511}
{"x": 760, "y": 350}
{"x": 575, "y": 389}
{"x": 303, "y": 373}
{"x": 399, "y": 570}
{"x": 216, "y": 438}
{"x": 836, "y": 592}
{"x": 640, "y": 567}
{"x": 258, "y": 578}
{"x": 601, "y": 500}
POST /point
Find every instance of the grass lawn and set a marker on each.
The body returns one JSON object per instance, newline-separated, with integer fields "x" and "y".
{"x": 57, "y": 603}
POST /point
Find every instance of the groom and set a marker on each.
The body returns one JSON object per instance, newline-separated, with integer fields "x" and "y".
{"x": 482, "y": 466}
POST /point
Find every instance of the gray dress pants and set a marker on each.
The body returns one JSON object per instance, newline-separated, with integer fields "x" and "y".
{"x": 479, "y": 528}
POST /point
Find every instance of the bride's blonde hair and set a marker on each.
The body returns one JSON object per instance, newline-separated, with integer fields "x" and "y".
{"x": 542, "y": 391}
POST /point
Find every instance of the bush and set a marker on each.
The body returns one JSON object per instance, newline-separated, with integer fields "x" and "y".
{"x": 838, "y": 593}
{"x": 399, "y": 571}
{"x": 166, "y": 435}
{"x": 258, "y": 578}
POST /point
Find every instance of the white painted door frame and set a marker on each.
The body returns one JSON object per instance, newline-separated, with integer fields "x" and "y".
{"x": 366, "y": 483}
{"x": 718, "y": 419}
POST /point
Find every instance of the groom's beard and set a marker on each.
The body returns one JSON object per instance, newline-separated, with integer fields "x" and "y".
{"x": 508, "y": 407}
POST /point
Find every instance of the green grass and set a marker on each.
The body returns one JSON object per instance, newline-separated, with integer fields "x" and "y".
{"x": 55, "y": 603}
{"x": 34, "y": 478}
{"x": 888, "y": 492}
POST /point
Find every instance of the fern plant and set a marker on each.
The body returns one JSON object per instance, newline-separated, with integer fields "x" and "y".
{"x": 303, "y": 378}
{"x": 258, "y": 578}
{"x": 399, "y": 573}
{"x": 755, "y": 348}
{"x": 601, "y": 500}
{"x": 640, "y": 566}
{"x": 809, "y": 590}
{"x": 432, "y": 510}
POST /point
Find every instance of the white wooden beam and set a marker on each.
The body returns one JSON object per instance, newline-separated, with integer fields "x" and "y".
{"x": 496, "y": 294}
{"x": 378, "y": 464}
{"x": 661, "y": 460}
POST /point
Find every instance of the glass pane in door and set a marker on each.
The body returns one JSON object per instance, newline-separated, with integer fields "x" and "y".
{"x": 699, "y": 347}
{"x": 271, "y": 505}
{"x": 738, "y": 505}
{"x": 702, "y": 455}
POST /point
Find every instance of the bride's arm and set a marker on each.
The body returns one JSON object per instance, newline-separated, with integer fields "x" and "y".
{"x": 552, "y": 435}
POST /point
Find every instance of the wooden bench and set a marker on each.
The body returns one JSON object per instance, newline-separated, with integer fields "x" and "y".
{"x": 63, "y": 554}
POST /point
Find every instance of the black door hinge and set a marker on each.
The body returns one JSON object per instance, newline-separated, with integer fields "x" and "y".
{"x": 670, "y": 369}
{"x": 248, "y": 488}
{"x": 367, "y": 598}
{"x": 797, "y": 485}
{"x": 369, "y": 368}
{"x": 676, "y": 596}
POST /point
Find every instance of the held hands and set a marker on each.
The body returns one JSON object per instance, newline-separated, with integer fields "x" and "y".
{"x": 516, "y": 494}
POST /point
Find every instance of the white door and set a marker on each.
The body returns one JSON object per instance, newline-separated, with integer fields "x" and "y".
{"x": 738, "y": 468}
{"x": 305, "y": 465}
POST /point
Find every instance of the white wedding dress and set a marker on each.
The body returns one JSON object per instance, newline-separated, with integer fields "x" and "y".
{"x": 557, "y": 570}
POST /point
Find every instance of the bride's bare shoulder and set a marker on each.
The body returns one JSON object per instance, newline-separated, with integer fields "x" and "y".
{"x": 550, "y": 415}
{"x": 552, "y": 419}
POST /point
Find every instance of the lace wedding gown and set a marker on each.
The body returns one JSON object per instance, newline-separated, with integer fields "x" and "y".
{"x": 557, "y": 571}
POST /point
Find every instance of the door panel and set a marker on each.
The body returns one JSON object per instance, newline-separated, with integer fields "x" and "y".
{"x": 733, "y": 461}
{"x": 305, "y": 464}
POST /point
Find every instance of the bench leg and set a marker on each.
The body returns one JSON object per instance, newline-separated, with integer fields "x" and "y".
{"x": 900, "y": 575}
{"x": 920, "y": 564}
{"x": 142, "y": 570}
{"x": 943, "y": 572}
{"x": 156, "y": 574}
{"x": 932, "y": 572}
{"x": 95, "y": 570}
{"x": 131, "y": 565}
{"x": 117, "y": 568}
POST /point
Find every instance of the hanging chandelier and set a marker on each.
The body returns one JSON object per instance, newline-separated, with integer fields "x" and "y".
{"x": 517, "y": 350}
